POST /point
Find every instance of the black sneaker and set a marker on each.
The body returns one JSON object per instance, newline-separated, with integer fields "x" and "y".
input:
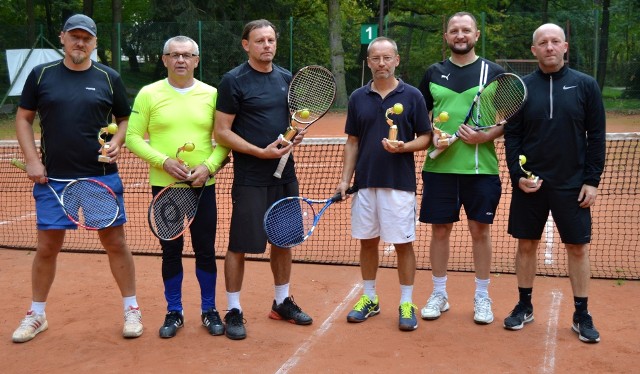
{"x": 211, "y": 320}
{"x": 235, "y": 325}
{"x": 583, "y": 326}
{"x": 289, "y": 311}
{"x": 172, "y": 322}
{"x": 520, "y": 315}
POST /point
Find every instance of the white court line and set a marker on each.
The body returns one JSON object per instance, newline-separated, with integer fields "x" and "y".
{"x": 548, "y": 365}
{"x": 548, "y": 236}
{"x": 304, "y": 348}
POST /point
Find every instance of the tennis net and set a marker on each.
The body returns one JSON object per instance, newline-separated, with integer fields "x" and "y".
{"x": 614, "y": 251}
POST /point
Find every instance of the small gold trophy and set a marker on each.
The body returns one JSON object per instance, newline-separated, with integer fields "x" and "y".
{"x": 393, "y": 129}
{"x": 301, "y": 115}
{"x": 523, "y": 160}
{"x": 443, "y": 137}
{"x": 187, "y": 147}
{"x": 111, "y": 129}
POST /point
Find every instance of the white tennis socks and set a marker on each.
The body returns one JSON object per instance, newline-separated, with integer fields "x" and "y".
{"x": 482, "y": 287}
{"x": 38, "y": 307}
{"x": 440, "y": 285}
{"x": 130, "y": 302}
{"x": 282, "y": 292}
{"x": 370, "y": 289}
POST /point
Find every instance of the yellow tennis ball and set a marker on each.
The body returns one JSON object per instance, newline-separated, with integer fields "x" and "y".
{"x": 443, "y": 117}
{"x": 398, "y": 108}
{"x": 188, "y": 147}
{"x": 304, "y": 114}
{"x": 112, "y": 128}
{"x": 523, "y": 159}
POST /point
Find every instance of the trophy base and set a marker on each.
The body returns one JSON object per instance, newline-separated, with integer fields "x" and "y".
{"x": 393, "y": 143}
{"x": 105, "y": 159}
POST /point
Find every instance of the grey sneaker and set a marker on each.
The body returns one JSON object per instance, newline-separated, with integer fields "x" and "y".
{"x": 132, "y": 323}
{"x": 482, "y": 313}
{"x": 211, "y": 320}
{"x": 30, "y": 326}
{"x": 172, "y": 322}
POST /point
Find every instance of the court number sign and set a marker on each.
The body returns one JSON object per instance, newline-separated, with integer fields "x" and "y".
{"x": 368, "y": 32}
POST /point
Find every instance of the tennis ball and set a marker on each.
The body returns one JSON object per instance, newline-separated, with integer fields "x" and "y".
{"x": 188, "y": 147}
{"x": 112, "y": 128}
{"x": 443, "y": 117}
{"x": 304, "y": 114}
{"x": 398, "y": 108}
{"x": 523, "y": 159}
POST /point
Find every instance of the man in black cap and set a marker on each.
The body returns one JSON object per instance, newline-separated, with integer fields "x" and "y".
{"x": 74, "y": 97}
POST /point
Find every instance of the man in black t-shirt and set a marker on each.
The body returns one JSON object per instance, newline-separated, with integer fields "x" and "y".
{"x": 251, "y": 113}
{"x": 74, "y": 97}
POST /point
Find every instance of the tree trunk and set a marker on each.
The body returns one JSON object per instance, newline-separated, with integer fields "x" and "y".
{"x": 337, "y": 52}
{"x": 31, "y": 22}
{"x": 87, "y": 8}
{"x": 116, "y": 19}
{"x": 603, "y": 48}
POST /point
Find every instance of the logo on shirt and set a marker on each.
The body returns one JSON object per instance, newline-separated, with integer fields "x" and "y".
{"x": 90, "y": 88}
{"x": 445, "y": 76}
{"x": 568, "y": 87}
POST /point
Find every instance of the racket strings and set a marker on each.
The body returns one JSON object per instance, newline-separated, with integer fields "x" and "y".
{"x": 171, "y": 210}
{"x": 500, "y": 100}
{"x": 288, "y": 222}
{"x": 90, "y": 204}
{"x": 312, "y": 89}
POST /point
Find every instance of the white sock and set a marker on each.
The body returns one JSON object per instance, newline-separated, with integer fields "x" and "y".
{"x": 406, "y": 293}
{"x": 440, "y": 285}
{"x": 282, "y": 292}
{"x": 38, "y": 307}
{"x": 233, "y": 300}
{"x": 130, "y": 302}
{"x": 370, "y": 289}
{"x": 482, "y": 286}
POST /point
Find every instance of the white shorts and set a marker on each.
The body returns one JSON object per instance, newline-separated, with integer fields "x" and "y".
{"x": 384, "y": 212}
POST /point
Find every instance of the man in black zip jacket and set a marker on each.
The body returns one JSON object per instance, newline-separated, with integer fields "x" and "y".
{"x": 561, "y": 134}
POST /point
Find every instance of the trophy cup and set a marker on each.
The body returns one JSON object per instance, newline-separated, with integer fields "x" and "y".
{"x": 522, "y": 159}
{"x": 104, "y": 132}
{"x": 392, "y": 139}
{"x": 187, "y": 147}
{"x": 293, "y": 130}
{"x": 443, "y": 137}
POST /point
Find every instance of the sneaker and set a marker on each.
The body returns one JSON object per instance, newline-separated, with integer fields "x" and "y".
{"x": 583, "y": 326}
{"x": 30, "y": 326}
{"x": 408, "y": 320}
{"x": 172, "y": 322}
{"x": 289, "y": 311}
{"x": 364, "y": 309}
{"x": 235, "y": 321}
{"x": 436, "y": 304}
{"x": 211, "y": 320}
{"x": 482, "y": 313}
{"x": 132, "y": 323}
{"x": 520, "y": 315}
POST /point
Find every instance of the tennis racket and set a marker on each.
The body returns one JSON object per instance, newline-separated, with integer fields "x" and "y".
{"x": 87, "y": 202}
{"x": 173, "y": 209}
{"x": 311, "y": 94}
{"x": 495, "y": 104}
{"x": 291, "y": 220}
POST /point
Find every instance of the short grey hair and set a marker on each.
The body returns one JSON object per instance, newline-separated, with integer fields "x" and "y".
{"x": 181, "y": 39}
{"x": 383, "y": 39}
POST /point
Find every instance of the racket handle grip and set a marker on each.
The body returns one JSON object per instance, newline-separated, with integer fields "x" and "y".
{"x": 19, "y": 164}
{"x": 281, "y": 165}
{"x": 436, "y": 152}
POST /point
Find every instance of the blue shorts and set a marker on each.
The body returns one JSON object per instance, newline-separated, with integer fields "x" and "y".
{"x": 528, "y": 215}
{"x": 444, "y": 194}
{"x": 49, "y": 212}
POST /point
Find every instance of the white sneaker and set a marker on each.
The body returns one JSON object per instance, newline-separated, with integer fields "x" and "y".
{"x": 30, "y": 326}
{"x": 482, "y": 311}
{"x": 436, "y": 304}
{"x": 132, "y": 323}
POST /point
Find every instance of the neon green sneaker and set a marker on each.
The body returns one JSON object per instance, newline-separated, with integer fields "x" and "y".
{"x": 364, "y": 309}
{"x": 408, "y": 320}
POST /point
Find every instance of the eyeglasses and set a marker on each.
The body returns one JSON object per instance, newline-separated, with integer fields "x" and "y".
{"x": 377, "y": 59}
{"x": 176, "y": 56}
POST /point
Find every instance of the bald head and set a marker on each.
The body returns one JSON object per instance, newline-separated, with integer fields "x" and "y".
{"x": 549, "y": 27}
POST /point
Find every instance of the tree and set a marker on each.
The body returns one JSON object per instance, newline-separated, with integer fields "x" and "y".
{"x": 337, "y": 51}
{"x": 603, "y": 48}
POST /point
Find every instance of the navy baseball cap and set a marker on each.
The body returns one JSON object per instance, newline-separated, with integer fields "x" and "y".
{"x": 80, "y": 21}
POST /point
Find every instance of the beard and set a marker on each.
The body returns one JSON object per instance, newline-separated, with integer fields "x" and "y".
{"x": 461, "y": 51}
{"x": 78, "y": 60}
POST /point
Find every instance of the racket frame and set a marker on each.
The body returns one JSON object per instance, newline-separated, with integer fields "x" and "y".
{"x": 476, "y": 99}
{"x": 69, "y": 183}
{"x": 268, "y": 217}
{"x": 296, "y": 118}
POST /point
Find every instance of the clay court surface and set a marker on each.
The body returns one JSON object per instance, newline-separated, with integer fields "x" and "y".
{"x": 85, "y": 321}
